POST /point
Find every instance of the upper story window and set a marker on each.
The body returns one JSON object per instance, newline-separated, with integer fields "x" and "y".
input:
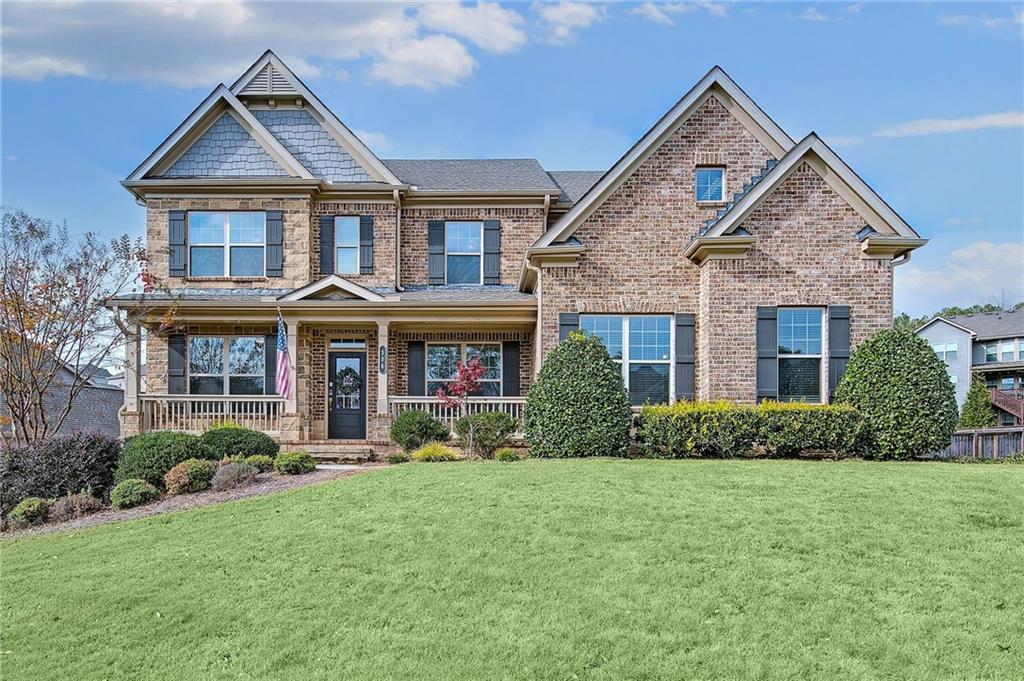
{"x": 346, "y": 244}
{"x": 800, "y": 353}
{"x": 443, "y": 359}
{"x": 945, "y": 351}
{"x": 219, "y": 365}
{"x": 642, "y": 346}
{"x": 1006, "y": 351}
{"x": 226, "y": 244}
{"x": 463, "y": 249}
{"x": 991, "y": 354}
{"x": 711, "y": 184}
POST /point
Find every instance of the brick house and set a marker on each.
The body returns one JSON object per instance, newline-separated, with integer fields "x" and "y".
{"x": 718, "y": 258}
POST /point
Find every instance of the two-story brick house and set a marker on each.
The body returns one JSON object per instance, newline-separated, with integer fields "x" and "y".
{"x": 718, "y": 258}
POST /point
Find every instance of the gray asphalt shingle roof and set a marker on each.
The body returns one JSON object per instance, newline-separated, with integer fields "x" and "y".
{"x": 993, "y": 325}
{"x": 469, "y": 175}
{"x": 575, "y": 183}
{"x": 488, "y": 293}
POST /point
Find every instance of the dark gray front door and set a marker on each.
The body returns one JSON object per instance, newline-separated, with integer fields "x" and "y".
{"x": 346, "y": 395}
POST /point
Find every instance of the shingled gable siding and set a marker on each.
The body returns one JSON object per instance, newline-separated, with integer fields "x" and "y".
{"x": 633, "y": 262}
{"x": 295, "y": 270}
{"x": 520, "y": 227}
{"x": 383, "y": 214}
{"x": 805, "y": 253}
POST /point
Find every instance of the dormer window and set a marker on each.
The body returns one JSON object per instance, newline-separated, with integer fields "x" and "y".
{"x": 711, "y": 183}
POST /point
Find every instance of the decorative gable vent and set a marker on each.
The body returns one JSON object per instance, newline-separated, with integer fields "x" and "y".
{"x": 268, "y": 81}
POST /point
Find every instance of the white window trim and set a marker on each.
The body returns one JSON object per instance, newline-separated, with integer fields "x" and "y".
{"x": 724, "y": 185}
{"x": 943, "y": 349}
{"x": 226, "y": 245}
{"x": 995, "y": 351}
{"x": 625, "y": 361}
{"x": 359, "y": 261}
{"x": 480, "y": 253}
{"x": 225, "y": 373}
{"x": 462, "y": 358}
{"x": 1003, "y": 346}
{"x": 822, "y": 364}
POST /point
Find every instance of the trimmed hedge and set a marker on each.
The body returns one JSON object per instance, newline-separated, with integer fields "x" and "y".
{"x": 294, "y": 463}
{"x": 191, "y": 475}
{"x": 151, "y": 455}
{"x": 414, "y": 428}
{"x": 723, "y": 429}
{"x": 901, "y": 387}
{"x": 229, "y": 440}
{"x": 133, "y": 492}
{"x": 578, "y": 405}
{"x": 491, "y": 430}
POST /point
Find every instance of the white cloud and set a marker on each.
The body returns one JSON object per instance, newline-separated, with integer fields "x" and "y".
{"x": 488, "y": 25}
{"x": 563, "y": 18}
{"x": 652, "y": 12}
{"x": 932, "y": 126}
{"x": 658, "y": 12}
{"x": 1016, "y": 18}
{"x": 855, "y": 8}
{"x": 980, "y": 270}
{"x": 425, "y": 62}
{"x": 812, "y": 14}
{"x": 377, "y": 141}
{"x": 973, "y": 220}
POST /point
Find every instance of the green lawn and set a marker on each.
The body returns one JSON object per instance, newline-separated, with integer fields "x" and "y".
{"x": 601, "y": 569}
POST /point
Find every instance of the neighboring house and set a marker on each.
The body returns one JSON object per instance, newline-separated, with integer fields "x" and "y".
{"x": 718, "y": 258}
{"x": 987, "y": 343}
{"x": 95, "y": 408}
{"x": 117, "y": 380}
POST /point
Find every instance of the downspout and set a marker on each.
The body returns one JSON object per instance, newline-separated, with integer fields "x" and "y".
{"x": 539, "y": 326}
{"x": 902, "y": 259}
{"x": 398, "y": 241}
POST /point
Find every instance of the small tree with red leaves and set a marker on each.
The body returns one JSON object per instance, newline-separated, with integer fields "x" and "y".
{"x": 465, "y": 384}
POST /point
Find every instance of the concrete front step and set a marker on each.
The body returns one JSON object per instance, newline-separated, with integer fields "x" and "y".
{"x": 342, "y": 451}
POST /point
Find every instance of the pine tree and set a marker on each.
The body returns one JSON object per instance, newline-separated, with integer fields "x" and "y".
{"x": 978, "y": 411}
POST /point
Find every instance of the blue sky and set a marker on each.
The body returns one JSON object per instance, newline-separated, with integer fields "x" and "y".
{"x": 925, "y": 101}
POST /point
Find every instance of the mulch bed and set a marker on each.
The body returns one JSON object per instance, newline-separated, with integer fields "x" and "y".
{"x": 266, "y": 483}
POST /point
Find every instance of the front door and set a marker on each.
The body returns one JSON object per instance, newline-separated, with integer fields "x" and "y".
{"x": 346, "y": 395}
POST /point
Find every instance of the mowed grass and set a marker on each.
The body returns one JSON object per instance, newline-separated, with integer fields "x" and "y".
{"x": 602, "y": 569}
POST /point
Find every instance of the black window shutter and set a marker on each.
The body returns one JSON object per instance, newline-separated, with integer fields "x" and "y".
{"x": 176, "y": 384}
{"x": 270, "y": 364}
{"x": 767, "y": 354}
{"x": 177, "y": 239}
{"x": 416, "y": 357}
{"x": 435, "y": 252}
{"x": 686, "y": 356}
{"x": 275, "y": 243}
{"x": 365, "y": 244}
{"x": 510, "y": 369}
{"x": 326, "y": 245}
{"x": 492, "y": 251}
{"x": 838, "y": 345}
{"x": 567, "y": 321}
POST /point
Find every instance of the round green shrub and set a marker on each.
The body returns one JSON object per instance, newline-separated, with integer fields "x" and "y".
{"x": 31, "y": 511}
{"x": 491, "y": 430}
{"x": 414, "y": 428}
{"x": 294, "y": 463}
{"x": 261, "y": 462}
{"x": 433, "y": 452}
{"x": 506, "y": 454}
{"x": 228, "y": 440}
{"x": 578, "y": 405}
{"x": 900, "y": 386}
{"x": 978, "y": 411}
{"x": 132, "y": 492}
{"x": 191, "y": 475}
{"x": 149, "y": 456}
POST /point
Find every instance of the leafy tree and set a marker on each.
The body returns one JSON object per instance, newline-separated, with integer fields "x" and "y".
{"x": 978, "y": 411}
{"x": 466, "y": 383}
{"x": 901, "y": 387}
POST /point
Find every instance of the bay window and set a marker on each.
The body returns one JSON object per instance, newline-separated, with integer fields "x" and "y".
{"x": 220, "y": 365}
{"x": 443, "y": 360}
{"x": 463, "y": 249}
{"x": 800, "y": 354}
{"x": 226, "y": 244}
{"x": 642, "y": 346}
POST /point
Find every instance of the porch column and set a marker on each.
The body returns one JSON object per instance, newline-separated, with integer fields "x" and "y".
{"x": 382, "y": 365}
{"x": 291, "y": 403}
{"x": 131, "y": 368}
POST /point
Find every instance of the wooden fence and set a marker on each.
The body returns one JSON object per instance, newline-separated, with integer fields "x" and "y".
{"x": 984, "y": 443}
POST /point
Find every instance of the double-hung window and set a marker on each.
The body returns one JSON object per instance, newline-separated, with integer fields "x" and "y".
{"x": 990, "y": 352}
{"x": 1006, "y": 351}
{"x": 945, "y": 351}
{"x": 443, "y": 360}
{"x": 710, "y": 184}
{"x": 231, "y": 365}
{"x": 642, "y": 346}
{"x": 226, "y": 244}
{"x": 800, "y": 353}
{"x": 463, "y": 250}
{"x": 346, "y": 244}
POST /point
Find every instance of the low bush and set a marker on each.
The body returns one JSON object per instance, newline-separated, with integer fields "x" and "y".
{"x": 414, "y": 428}
{"x": 261, "y": 462}
{"x": 71, "y": 506}
{"x": 434, "y": 451}
{"x": 229, "y": 439}
{"x": 31, "y": 511}
{"x": 400, "y": 457}
{"x": 506, "y": 454}
{"x": 51, "y": 468}
{"x": 150, "y": 456}
{"x": 133, "y": 492}
{"x": 294, "y": 463}
{"x": 191, "y": 475}
{"x": 234, "y": 474}
{"x": 723, "y": 429}
{"x": 491, "y": 430}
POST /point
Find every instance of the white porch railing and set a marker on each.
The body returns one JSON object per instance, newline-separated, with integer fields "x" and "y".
{"x": 513, "y": 406}
{"x": 196, "y": 413}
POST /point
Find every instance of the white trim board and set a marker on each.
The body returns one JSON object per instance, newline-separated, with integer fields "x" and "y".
{"x": 337, "y": 282}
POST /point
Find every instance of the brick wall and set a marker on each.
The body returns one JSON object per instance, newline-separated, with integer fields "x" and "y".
{"x": 383, "y": 239}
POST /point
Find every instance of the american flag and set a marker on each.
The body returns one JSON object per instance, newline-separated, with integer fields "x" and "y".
{"x": 283, "y": 384}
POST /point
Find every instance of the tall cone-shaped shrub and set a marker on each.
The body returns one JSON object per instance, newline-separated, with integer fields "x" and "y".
{"x": 978, "y": 411}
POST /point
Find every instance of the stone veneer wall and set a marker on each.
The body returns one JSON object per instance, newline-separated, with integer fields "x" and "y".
{"x": 296, "y": 241}
{"x": 806, "y": 253}
{"x": 383, "y": 239}
{"x": 520, "y": 227}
